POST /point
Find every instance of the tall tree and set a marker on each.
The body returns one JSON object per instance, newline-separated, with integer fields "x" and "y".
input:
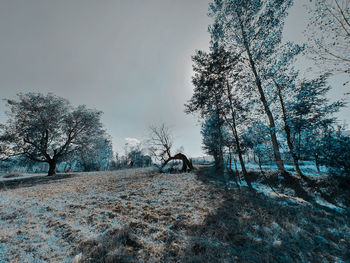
{"x": 215, "y": 95}
{"x": 207, "y": 98}
{"x": 252, "y": 29}
{"x": 46, "y": 128}
{"x": 283, "y": 78}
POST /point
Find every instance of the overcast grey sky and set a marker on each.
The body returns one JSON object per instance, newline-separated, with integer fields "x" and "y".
{"x": 129, "y": 58}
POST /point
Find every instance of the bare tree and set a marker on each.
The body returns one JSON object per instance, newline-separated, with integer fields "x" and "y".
{"x": 161, "y": 143}
{"x": 328, "y": 33}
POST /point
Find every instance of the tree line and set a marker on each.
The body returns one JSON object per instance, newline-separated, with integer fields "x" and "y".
{"x": 253, "y": 101}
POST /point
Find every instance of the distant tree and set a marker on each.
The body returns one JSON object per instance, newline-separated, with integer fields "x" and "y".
{"x": 252, "y": 29}
{"x": 46, "y": 128}
{"x": 137, "y": 158}
{"x": 135, "y": 154}
{"x": 256, "y": 138}
{"x": 96, "y": 154}
{"x": 328, "y": 33}
{"x": 120, "y": 161}
{"x": 160, "y": 146}
{"x": 132, "y": 151}
{"x": 134, "y": 157}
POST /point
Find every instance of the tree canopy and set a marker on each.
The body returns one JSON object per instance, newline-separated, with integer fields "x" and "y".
{"x": 46, "y": 128}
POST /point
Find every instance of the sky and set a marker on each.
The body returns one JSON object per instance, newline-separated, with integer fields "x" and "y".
{"x": 129, "y": 58}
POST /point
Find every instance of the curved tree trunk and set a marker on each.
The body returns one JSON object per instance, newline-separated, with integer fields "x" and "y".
{"x": 185, "y": 162}
{"x": 52, "y": 167}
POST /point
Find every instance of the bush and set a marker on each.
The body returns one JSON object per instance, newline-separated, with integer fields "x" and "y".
{"x": 336, "y": 154}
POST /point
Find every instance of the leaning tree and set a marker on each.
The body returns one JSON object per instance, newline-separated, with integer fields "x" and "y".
{"x": 161, "y": 144}
{"x": 47, "y": 128}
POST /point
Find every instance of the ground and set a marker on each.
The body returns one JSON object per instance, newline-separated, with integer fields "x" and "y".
{"x": 139, "y": 215}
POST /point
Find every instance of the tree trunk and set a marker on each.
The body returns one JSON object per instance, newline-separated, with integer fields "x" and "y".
{"x": 287, "y": 130}
{"x": 275, "y": 146}
{"x": 260, "y": 167}
{"x": 239, "y": 152}
{"x": 230, "y": 159}
{"x": 235, "y": 134}
{"x": 236, "y": 168}
{"x": 52, "y": 167}
{"x": 220, "y": 161}
{"x": 234, "y": 174}
{"x": 317, "y": 163}
{"x": 244, "y": 171}
{"x": 272, "y": 126}
{"x": 299, "y": 143}
{"x": 185, "y": 162}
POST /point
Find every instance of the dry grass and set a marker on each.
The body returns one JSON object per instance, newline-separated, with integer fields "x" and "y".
{"x": 142, "y": 216}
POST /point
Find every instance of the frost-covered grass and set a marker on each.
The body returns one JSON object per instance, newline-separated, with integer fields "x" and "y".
{"x": 307, "y": 167}
{"x": 138, "y": 215}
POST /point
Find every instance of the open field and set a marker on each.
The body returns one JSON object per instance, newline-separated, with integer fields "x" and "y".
{"x": 139, "y": 215}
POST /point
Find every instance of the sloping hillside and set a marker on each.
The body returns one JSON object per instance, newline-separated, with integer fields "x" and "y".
{"x": 141, "y": 216}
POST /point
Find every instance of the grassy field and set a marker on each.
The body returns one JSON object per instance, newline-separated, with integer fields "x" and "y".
{"x": 139, "y": 215}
